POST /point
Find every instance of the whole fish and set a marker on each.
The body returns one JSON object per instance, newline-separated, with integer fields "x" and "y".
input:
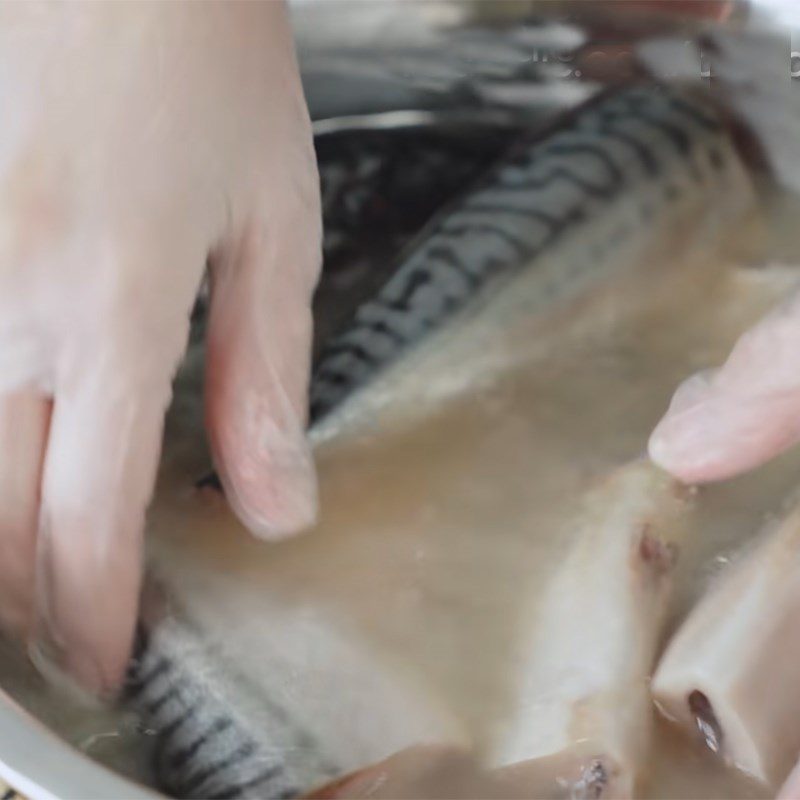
{"x": 249, "y": 697}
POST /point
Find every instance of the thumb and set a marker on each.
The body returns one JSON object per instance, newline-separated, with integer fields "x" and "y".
{"x": 257, "y": 370}
{"x": 727, "y": 422}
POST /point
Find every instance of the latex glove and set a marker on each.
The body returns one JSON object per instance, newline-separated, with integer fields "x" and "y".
{"x": 727, "y": 421}
{"x": 137, "y": 141}
{"x": 791, "y": 789}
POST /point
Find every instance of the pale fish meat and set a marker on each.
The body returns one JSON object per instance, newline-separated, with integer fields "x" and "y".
{"x": 728, "y": 676}
{"x": 586, "y": 667}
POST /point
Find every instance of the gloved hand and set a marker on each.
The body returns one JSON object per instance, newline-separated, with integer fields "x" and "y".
{"x": 727, "y": 421}
{"x": 138, "y": 141}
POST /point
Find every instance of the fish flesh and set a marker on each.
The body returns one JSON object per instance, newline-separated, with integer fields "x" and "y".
{"x": 728, "y": 675}
{"x": 585, "y": 668}
{"x": 250, "y": 695}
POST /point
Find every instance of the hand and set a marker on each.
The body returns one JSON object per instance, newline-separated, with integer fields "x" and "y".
{"x": 138, "y": 141}
{"x": 730, "y": 420}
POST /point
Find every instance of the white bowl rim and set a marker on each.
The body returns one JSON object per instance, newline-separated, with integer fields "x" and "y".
{"x": 35, "y": 762}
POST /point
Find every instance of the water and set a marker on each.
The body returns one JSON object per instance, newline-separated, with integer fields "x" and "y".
{"x": 442, "y": 513}
{"x": 444, "y": 508}
{"x": 111, "y": 735}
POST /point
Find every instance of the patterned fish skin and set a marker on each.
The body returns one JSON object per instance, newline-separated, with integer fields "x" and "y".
{"x": 7, "y": 793}
{"x": 545, "y": 191}
{"x": 205, "y": 749}
{"x": 644, "y": 142}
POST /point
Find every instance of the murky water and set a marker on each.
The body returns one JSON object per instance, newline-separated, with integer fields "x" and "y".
{"x": 109, "y": 734}
{"x": 443, "y": 512}
{"x": 469, "y": 499}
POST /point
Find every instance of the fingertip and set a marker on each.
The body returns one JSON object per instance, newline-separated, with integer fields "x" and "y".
{"x": 82, "y": 653}
{"x": 704, "y": 436}
{"x": 668, "y": 447}
{"x": 268, "y": 475}
{"x": 667, "y": 453}
{"x": 713, "y": 438}
{"x": 272, "y": 502}
{"x": 704, "y": 445}
{"x": 86, "y": 676}
{"x": 271, "y": 528}
{"x": 81, "y": 688}
{"x": 791, "y": 789}
{"x": 658, "y": 448}
{"x": 86, "y": 599}
{"x": 725, "y": 435}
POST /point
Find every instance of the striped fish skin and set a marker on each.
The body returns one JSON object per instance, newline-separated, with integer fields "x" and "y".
{"x": 380, "y": 186}
{"x": 543, "y": 193}
{"x": 647, "y": 143}
{"x": 7, "y": 793}
{"x": 205, "y": 748}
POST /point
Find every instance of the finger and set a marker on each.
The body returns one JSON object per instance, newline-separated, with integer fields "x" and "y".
{"x": 791, "y": 789}
{"x": 725, "y": 423}
{"x": 258, "y": 351}
{"x": 24, "y": 419}
{"x": 98, "y": 477}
